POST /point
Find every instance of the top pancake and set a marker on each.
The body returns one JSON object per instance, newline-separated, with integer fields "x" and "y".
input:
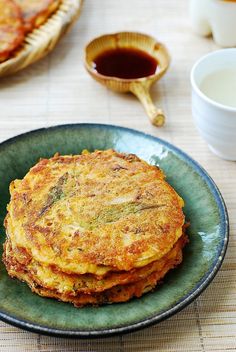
{"x": 93, "y": 213}
{"x": 36, "y": 12}
{"x": 11, "y": 28}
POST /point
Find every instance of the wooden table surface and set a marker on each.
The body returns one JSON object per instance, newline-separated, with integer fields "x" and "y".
{"x": 58, "y": 90}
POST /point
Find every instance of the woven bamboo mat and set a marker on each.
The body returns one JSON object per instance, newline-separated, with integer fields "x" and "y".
{"x": 58, "y": 90}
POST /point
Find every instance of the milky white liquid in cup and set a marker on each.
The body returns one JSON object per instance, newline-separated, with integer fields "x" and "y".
{"x": 220, "y": 86}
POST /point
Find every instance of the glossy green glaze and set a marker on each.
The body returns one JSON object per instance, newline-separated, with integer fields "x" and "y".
{"x": 204, "y": 208}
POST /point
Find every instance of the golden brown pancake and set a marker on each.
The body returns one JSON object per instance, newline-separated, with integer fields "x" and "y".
{"x": 11, "y": 28}
{"x": 93, "y": 228}
{"x": 94, "y": 213}
{"x": 36, "y": 12}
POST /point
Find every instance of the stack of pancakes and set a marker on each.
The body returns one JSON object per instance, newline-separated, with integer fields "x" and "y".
{"x": 95, "y": 228}
{"x": 19, "y": 17}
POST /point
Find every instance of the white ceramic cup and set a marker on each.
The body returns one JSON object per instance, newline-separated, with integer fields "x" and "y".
{"x": 216, "y": 17}
{"x": 215, "y": 121}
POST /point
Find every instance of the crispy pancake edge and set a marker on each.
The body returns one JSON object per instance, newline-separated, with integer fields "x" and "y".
{"x": 52, "y": 279}
{"x": 119, "y": 293}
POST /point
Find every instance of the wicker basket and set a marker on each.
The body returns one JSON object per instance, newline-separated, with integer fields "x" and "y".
{"x": 43, "y": 40}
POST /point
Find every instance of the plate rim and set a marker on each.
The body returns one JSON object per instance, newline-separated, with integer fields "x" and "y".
{"x": 186, "y": 299}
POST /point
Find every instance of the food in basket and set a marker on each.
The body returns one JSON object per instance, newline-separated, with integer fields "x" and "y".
{"x": 36, "y": 12}
{"x": 11, "y": 28}
{"x": 94, "y": 228}
{"x": 19, "y": 17}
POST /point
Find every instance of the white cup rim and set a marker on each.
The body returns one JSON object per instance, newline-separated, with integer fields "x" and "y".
{"x": 198, "y": 90}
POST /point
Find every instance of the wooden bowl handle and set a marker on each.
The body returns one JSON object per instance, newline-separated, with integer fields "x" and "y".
{"x": 156, "y": 115}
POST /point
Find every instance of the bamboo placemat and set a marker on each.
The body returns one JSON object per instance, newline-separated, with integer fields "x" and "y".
{"x": 58, "y": 90}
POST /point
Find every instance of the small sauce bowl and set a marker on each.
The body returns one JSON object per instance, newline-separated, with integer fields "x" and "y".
{"x": 140, "y": 87}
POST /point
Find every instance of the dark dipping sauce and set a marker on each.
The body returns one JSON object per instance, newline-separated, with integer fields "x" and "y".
{"x": 125, "y": 63}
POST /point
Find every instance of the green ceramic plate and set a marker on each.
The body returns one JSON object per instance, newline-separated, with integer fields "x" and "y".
{"x": 203, "y": 256}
